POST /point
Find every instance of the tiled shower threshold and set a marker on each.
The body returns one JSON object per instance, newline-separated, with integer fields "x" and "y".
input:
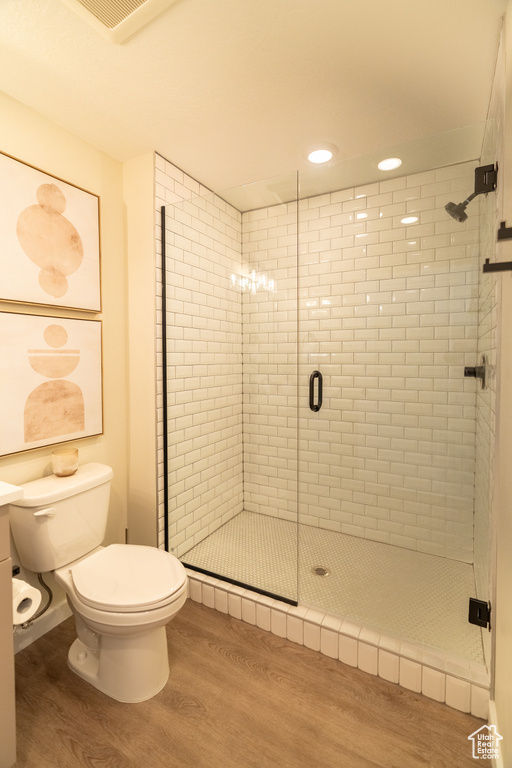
{"x": 394, "y": 613}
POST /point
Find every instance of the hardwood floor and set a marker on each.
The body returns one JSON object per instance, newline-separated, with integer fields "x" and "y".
{"x": 237, "y": 697}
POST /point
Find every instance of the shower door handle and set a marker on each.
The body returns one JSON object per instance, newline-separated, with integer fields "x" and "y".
{"x": 315, "y": 406}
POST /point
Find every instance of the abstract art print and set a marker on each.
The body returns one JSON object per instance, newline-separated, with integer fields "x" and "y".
{"x": 49, "y": 235}
{"x": 50, "y": 380}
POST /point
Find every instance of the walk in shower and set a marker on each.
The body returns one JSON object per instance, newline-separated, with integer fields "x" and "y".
{"x": 324, "y": 443}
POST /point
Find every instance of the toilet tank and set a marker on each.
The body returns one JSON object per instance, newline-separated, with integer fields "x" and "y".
{"x": 60, "y": 519}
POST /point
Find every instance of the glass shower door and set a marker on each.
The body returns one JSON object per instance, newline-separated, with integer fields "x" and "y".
{"x": 388, "y": 316}
{"x": 231, "y": 330}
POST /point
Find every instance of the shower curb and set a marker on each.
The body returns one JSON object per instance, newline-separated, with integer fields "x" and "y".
{"x": 454, "y": 681}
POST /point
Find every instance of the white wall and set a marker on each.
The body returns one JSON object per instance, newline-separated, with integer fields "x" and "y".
{"x": 31, "y": 138}
{"x": 142, "y": 347}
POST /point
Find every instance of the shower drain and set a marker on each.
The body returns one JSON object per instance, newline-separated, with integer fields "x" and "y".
{"x": 320, "y": 570}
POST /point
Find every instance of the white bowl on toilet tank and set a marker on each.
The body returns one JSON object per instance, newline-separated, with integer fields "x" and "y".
{"x": 60, "y": 519}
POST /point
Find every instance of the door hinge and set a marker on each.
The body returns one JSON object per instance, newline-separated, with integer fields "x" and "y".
{"x": 479, "y": 613}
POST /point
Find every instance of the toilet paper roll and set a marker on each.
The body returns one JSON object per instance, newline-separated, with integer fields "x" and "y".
{"x": 26, "y": 600}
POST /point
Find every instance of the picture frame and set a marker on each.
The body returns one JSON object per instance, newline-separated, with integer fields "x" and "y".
{"x": 49, "y": 239}
{"x": 50, "y": 380}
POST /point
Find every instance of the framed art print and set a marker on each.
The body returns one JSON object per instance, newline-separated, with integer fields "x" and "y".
{"x": 50, "y": 381}
{"x": 49, "y": 239}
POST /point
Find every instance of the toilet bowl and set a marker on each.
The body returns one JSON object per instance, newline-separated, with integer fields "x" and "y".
{"x": 122, "y": 596}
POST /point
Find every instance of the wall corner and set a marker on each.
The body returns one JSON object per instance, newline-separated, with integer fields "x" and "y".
{"x": 138, "y": 188}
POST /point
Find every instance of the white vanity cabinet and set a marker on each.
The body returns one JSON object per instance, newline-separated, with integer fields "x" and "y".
{"x": 8, "y": 493}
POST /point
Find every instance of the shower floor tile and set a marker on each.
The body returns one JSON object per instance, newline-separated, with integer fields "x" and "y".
{"x": 407, "y": 594}
{"x": 258, "y": 550}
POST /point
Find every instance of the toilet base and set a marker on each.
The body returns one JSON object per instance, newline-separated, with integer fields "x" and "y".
{"x": 128, "y": 669}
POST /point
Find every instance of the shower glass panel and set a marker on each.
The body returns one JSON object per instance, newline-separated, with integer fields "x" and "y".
{"x": 388, "y": 316}
{"x": 231, "y": 279}
{"x": 325, "y": 446}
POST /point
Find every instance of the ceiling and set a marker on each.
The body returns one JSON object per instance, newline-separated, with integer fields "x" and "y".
{"x": 233, "y": 91}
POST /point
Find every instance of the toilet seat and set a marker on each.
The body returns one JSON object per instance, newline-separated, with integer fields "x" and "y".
{"x": 127, "y": 578}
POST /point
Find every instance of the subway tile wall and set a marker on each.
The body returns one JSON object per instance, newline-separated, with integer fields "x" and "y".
{"x": 270, "y": 358}
{"x": 387, "y": 311}
{"x": 204, "y": 358}
{"x": 388, "y": 314}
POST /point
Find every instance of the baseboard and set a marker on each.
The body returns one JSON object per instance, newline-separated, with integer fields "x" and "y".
{"x": 36, "y": 629}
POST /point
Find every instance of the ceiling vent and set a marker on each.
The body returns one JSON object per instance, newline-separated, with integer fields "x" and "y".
{"x": 117, "y": 20}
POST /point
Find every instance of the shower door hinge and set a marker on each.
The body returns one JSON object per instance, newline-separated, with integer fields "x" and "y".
{"x": 479, "y": 613}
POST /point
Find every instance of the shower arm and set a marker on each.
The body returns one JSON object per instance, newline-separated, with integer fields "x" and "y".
{"x": 469, "y": 198}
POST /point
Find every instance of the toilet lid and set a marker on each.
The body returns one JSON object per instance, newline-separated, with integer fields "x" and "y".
{"x": 128, "y": 577}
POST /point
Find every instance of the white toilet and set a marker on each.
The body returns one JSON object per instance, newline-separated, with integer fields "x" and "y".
{"x": 122, "y": 596}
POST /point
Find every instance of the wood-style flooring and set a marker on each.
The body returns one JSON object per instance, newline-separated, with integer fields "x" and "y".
{"x": 237, "y": 697}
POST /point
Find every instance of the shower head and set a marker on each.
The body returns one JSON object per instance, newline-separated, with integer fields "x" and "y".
{"x": 458, "y": 210}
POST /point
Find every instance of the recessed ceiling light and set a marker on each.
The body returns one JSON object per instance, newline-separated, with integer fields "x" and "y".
{"x": 320, "y": 156}
{"x": 321, "y": 153}
{"x": 409, "y": 220}
{"x": 390, "y": 164}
